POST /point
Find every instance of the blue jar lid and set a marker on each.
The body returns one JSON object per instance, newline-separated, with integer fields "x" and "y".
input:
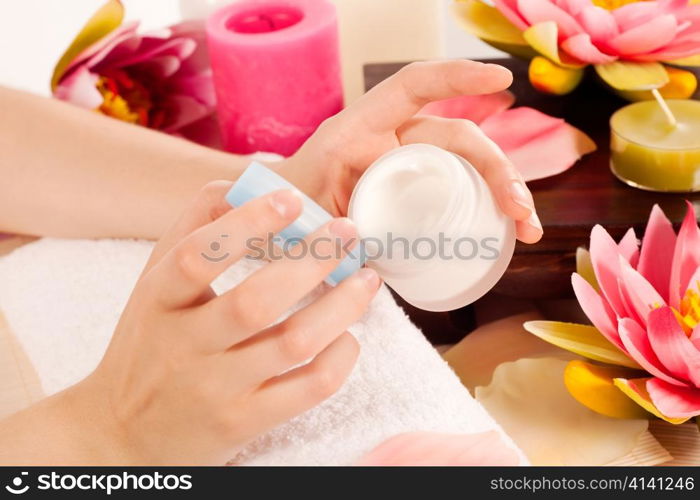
{"x": 258, "y": 180}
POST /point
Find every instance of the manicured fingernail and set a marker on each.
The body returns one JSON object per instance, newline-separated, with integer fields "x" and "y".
{"x": 370, "y": 277}
{"x": 500, "y": 68}
{"x": 534, "y": 221}
{"x": 343, "y": 228}
{"x": 520, "y": 195}
{"x": 285, "y": 202}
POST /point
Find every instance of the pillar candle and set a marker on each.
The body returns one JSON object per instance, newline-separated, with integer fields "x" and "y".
{"x": 648, "y": 153}
{"x": 276, "y": 67}
{"x": 372, "y": 31}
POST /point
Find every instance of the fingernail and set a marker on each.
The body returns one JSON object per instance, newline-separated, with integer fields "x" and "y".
{"x": 520, "y": 195}
{"x": 500, "y": 68}
{"x": 534, "y": 221}
{"x": 343, "y": 228}
{"x": 285, "y": 202}
{"x": 370, "y": 277}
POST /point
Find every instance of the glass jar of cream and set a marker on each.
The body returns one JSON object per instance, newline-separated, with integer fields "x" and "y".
{"x": 427, "y": 220}
{"x": 431, "y": 228}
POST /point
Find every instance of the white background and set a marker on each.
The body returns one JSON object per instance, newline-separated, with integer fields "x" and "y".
{"x": 34, "y": 33}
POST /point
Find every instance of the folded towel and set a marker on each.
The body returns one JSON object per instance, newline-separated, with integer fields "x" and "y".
{"x": 63, "y": 298}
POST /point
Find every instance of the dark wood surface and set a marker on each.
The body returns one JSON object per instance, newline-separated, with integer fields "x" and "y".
{"x": 570, "y": 204}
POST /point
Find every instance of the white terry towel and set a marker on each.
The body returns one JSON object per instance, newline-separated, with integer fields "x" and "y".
{"x": 62, "y": 299}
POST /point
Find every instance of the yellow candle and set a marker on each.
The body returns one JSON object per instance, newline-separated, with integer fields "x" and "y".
{"x": 649, "y": 153}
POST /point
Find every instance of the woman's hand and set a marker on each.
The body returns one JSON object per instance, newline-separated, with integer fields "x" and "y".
{"x": 328, "y": 166}
{"x": 190, "y": 377}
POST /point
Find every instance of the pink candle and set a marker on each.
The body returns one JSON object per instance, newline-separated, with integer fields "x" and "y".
{"x": 276, "y": 67}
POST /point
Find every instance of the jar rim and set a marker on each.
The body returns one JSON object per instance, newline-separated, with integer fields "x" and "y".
{"x": 458, "y": 205}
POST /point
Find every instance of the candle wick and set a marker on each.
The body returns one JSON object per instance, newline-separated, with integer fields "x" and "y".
{"x": 269, "y": 21}
{"x": 664, "y": 107}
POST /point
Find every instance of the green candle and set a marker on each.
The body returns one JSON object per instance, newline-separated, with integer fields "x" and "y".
{"x": 650, "y": 152}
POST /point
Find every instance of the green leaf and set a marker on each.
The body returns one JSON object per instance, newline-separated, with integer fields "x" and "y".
{"x": 623, "y": 75}
{"x": 686, "y": 61}
{"x": 103, "y": 22}
{"x": 584, "y": 267}
{"x": 583, "y": 340}
{"x": 544, "y": 38}
{"x": 486, "y": 22}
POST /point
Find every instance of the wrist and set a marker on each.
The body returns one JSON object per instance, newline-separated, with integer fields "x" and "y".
{"x": 93, "y": 435}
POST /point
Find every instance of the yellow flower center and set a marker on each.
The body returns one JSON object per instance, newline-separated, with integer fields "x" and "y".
{"x": 124, "y": 98}
{"x": 614, "y": 4}
{"x": 689, "y": 314}
{"x": 115, "y": 105}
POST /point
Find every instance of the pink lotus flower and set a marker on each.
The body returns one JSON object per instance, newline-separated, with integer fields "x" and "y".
{"x": 161, "y": 80}
{"x": 646, "y": 303}
{"x": 546, "y": 147}
{"x": 590, "y": 33}
{"x": 625, "y": 40}
{"x": 649, "y": 306}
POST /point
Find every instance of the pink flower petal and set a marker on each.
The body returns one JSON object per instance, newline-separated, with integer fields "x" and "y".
{"x": 689, "y": 13}
{"x": 597, "y": 310}
{"x": 185, "y": 110}
{"x": 205, "y": 132}
{"x": 646, "y": 37}
{"x": 573, "y": 7}
{"x": 636, "y": 341}
{"x": 581, "y": 47}
{"x": 432, "y": 449}
{"x": 79, "y": 89}
{"x": 695, "y": 337}
{"x": 546, "y": 147}
{"x": 599, "y": 23}
{"x": 194, "y": 30}
{"x": 674, "y": 349}
{"x": 159, "y": 68}
{"x": 673, "y": 6}
{"x": 638, "y": 293}
{"x": 199, "y": 86}
{"x": 103, "y": 45}
{"x": 475, "y": 108}
{"x": 509, "y": 8}
{"x": 120, "y": 44}
{"x": 666, "y": 54}
{"x": 674, "y": 401}
{"x": 656, "y": 254}
{"x": 629, "y": 247}
{"x": 176, "y": 48}
{"x": 686, "y": 257}
{"x": 634, "y": 14}
{"x": 539, "y": 11}
{"x": 606, "y": 264}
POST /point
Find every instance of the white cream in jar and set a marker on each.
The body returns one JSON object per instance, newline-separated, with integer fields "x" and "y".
{"x": 431, "y": 227}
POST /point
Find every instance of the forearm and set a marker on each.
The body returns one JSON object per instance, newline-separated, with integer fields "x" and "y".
{"x": 69, "y": 172}
{"x": 65, "y": 429}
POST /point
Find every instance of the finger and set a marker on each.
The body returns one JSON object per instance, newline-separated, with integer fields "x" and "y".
{"x": 388, "y": 105}
{"x": 265, "y": 295}
{"x": 530, "y": 230}
{"x": 467, "y": 140}
{"x": 206, "y": 207}
{"x": 186, "y": 270}
{"x": 299, "y": 390}
{"x": 306, "y": 333}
